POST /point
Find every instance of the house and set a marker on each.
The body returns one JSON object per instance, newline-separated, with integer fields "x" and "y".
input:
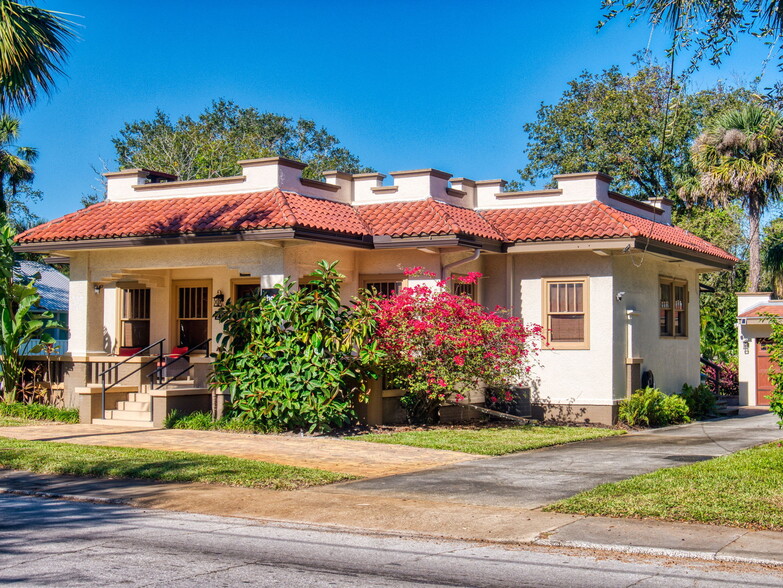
{"x": 53, "y": 289}
{"x": 612, "y": 280}
{"x": 754, "y": 332}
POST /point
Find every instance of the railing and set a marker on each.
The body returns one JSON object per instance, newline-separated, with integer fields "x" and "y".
{"x": 115, "y": 367}
{"x": 716, "y": 379}
{"x": 157, "y": 378}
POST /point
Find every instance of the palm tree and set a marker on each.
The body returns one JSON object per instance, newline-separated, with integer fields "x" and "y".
{"x": 15, "y": 162}
{"x": 33, "y": 47}
{"x": 740, "y": 157}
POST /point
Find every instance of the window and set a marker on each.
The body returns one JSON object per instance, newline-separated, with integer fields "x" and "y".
{"x": 565, "y": 314}
{"x": 384, "y": 285}
{"x": 673, "y": 307}
{"x": 246, "y": 290}
{"x": 135, "y": 317}
{"x": 469, "y": 290}
{"x": 193, "y": 312}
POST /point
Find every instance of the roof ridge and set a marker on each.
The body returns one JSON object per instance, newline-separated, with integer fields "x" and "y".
{"x": 612, "y": 213}
{"x": 445, "y": 216}
{"x": 492, "y": 225}
{"x": 285, "y": 206}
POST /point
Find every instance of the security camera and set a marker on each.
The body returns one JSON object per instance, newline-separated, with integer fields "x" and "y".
{"x": 620, "y": 295}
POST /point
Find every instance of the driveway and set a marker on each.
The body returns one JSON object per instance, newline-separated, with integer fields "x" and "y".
{"x": 535, "y": 478}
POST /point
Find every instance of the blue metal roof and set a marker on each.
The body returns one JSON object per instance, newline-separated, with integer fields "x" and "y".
{"x": 52, "y": 285}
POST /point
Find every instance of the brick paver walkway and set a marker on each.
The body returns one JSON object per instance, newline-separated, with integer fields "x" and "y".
{"x": 358, "y": 458}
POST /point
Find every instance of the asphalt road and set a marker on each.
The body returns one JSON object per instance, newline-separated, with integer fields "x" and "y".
{"x": 531, "y": 479}
{"x": 59, "y": 543}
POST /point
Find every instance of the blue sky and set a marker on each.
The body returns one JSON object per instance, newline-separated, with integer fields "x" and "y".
{"x": 403, "y": 84}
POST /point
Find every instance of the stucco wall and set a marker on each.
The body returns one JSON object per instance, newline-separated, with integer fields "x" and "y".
{"x": 579, "y": 376}
{"x": 673, "y": 360}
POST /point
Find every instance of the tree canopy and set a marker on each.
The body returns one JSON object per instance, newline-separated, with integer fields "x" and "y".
{"x": 708, "y": 27}
{"x": 210, "y": 145}
{"x": 614, "y": 123}
{"x": 33, "y": 48}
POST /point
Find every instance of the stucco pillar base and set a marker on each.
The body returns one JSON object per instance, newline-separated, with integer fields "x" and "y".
{"x": 633, "y": 375}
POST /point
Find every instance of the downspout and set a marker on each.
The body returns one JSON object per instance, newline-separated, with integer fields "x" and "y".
{"x": 472, "y": 257}
{"x": 510, "y": 284}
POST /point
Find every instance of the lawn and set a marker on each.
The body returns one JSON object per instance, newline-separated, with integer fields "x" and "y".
{"x": 489, "y": 440}
{"x": 744, "y": 490}
{"x": 167, "y": 466}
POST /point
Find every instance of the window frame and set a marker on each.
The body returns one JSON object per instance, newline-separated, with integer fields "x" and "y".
{"x": 175, "y": 286}
{"x": 365, "y": 279}
{"x": 455, "y": 285}
{"x": 121, "y": 290}
{"x": 545, "y": 313}
{"x": 673, "y": 283}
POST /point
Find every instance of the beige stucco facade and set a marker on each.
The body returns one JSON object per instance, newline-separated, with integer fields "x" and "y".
{"x": 620, "y": 276}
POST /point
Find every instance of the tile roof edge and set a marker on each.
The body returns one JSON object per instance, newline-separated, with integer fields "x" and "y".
{"x": 285, "y": 206}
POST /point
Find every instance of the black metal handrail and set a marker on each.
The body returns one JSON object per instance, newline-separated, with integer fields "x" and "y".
{"x": 716, "y": 379}
{"x": 157, "y": 382}
{"x": 140, "y": 352}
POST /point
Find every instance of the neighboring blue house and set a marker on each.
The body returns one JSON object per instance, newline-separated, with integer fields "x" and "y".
{"x": 53, "y": 288}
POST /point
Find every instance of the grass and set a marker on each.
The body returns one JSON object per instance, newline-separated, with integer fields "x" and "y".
{"x": 39, "y": 412}
{"x": 490, "y": 440}
{"x": 744, "y": 489}
{"x": 167, "y": 466}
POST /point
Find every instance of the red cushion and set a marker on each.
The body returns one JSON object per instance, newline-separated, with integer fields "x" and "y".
{"x": 178, "y": 352}
{"x": 127, "y": 351}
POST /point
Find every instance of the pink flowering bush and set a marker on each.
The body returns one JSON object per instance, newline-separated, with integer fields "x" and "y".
{"x": 437, "y": 344}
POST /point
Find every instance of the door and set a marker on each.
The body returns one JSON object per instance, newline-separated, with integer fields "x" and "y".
{"x": 192, "y": 305}
{"x": 763, "y": 385}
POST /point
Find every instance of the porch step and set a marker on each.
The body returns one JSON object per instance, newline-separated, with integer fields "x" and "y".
{"x": 128, "y": 415}
{"x": 133, "y": 405}
{"x": 139, "y": 397}
{"x": 124, "y": 423}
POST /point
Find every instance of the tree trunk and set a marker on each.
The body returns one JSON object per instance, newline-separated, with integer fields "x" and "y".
{"x": 754, "y": 246}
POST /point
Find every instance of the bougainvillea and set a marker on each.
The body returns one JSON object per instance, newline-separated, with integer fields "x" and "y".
{"x": 438, "y": 344}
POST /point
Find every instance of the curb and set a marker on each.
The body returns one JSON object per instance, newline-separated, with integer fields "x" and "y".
{"x": 57, "y": 496}
{"x": 658, "y": 551}
{"x": 634, "y": 550}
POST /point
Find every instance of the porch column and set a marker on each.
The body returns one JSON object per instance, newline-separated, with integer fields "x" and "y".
{"x": 85, "y": 318}
{"x": 633, "y": 364}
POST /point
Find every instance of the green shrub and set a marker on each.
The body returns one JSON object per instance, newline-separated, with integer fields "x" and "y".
{"x": 39, "y": 412}
{"x": 298, "y": 359}
{"x": 652, "y": 408}
{"x": 202, "y": 421}
{"x": 700, "y": 400}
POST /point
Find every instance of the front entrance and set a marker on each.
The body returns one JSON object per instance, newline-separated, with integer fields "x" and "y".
{"x": 192, "y": 311}
{"x": 763, "y": 385}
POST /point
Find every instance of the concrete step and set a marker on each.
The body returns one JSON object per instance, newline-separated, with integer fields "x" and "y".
{"x": 139, "y": 397}
{"x": 133, "y": 405}
{"x": 129, "y": 415}
{"x": 114, "y": 389}
{"x": 124, "y": 423}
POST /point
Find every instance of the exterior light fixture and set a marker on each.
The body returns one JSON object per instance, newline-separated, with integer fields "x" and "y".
{"x": 218, "y": 299}
{"x": 97, "y": 288}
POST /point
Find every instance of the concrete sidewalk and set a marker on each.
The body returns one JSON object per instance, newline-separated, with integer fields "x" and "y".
{"x": 426, "y": 518}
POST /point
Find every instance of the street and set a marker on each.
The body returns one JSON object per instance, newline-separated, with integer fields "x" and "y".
{"x": 62, "y": 543}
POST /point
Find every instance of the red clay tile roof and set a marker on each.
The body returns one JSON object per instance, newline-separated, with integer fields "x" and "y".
{"x": 203, "y": 214}
{"x": 275, "y": 209}
{"x": 776, "y": 309}
{"x": 592, "y": 220}
{"x": 425, "y": 217}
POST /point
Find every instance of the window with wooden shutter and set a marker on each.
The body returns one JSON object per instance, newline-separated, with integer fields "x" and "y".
{"x": 193, "y": 311}
{"x": 673, "y": 307}
{"x": 566, "y": 314}
{"x": 135, "y": 317}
